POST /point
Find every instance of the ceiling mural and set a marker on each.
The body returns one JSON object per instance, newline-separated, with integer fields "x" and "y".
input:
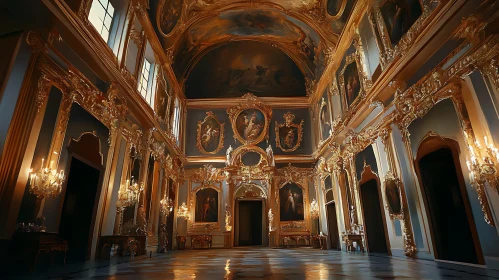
{"x": 283, "y": 31}
{"x": 307, "y": 31}
{"x": 237, "y": 68}
{"x": 169, "y": 12}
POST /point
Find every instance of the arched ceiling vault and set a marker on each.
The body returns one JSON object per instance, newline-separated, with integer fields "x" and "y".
{"x": 305, "y": 30}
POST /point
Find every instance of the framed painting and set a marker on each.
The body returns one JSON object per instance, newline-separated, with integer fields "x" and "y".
{"x": 210, "y": 134}
{"x": 250, "y": 120}
{"x": 288, "y": 135}
{"x": 393, "y": 197}
{"x": 168, "y": 15}
{"x": 324, "y": 119}
{"x": 206, "y": 210}
{"x": 291, "y": 203}
{"x": 399, "y": 16}
{"x": 353, "y": 81}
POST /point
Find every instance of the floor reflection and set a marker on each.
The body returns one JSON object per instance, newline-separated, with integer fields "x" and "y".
{"x": 265, "y": 263}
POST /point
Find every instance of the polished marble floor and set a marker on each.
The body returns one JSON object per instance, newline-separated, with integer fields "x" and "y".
{"x": 265, "y": 263}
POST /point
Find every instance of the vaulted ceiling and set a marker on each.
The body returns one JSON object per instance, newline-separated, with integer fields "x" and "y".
{"x": 225, "y": 48}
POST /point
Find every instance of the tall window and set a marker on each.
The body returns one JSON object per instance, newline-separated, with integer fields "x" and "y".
{"x": 146, "y": 85}
{"x": 176, "y": 119}
{"x": 101, "y": 16}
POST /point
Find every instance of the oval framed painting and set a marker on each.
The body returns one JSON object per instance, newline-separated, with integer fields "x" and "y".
{"x": 210, "y": 134}
{"x": 168, "y": 15}
{"x": 250, "y": 120}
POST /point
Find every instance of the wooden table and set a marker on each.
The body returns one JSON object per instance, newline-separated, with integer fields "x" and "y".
{"x": 181, "y": 242}
{"x": 319, "y": 241}
{"x": 121, "y": 241}
{"x": 29, "y": 245}
{"x": 201, "y": 240}
{"x": 286, "y": 239}
{"x": 349, "y": 239}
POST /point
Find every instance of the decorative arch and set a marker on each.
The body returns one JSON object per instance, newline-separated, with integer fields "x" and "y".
{"x": 237, "y": 155}
{"x": 88, "y": 147}
{"x": 245, "y": 190}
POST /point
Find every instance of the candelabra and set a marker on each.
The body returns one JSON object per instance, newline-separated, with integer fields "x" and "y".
{"x": 183, "y": 211}
{"x": 128, "y": 195}
{"x": 484, "y": 164}
{"x": 314, "y": 209}
{"x": 46, "y": 182}
{"x": 166, "y": 205}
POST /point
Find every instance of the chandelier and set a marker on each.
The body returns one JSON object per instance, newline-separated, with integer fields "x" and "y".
{"x": 166, "y": 205}
{"x": 183, "y": 211}
{"x": 46, "y": 182}
{"x": 129, "y": 193}
{"x": 314, "y": 209}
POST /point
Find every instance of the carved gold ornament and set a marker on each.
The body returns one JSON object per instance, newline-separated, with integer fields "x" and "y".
{"x": 208, "y": 175}
{"x": 250, "y": 120}
{"x": 210, "y": 132}
{"x": 353, "y": 84}
{"x": 291, "y": 133}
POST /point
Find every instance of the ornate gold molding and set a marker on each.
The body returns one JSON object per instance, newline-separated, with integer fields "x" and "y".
{"x": 200, "y": 135}
{"x": 288, "y": 123}
{"x": 249, "y": 101}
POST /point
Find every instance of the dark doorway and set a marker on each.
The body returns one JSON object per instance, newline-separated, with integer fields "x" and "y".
{"x": 78, "y": 209}
{"x": 250, "y": 223}
{"x": 332, "y": 226}
{"x": 373, "y": 217}
{"x": 448, "y": 207}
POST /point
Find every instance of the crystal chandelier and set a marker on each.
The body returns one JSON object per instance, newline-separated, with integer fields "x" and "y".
{"x": 314, "y": 209}
{"x": 183, "y": 211}
{"x": 46, "y": 182}
{"x": 129, "y": 193}
{"x": 166, "y": 205}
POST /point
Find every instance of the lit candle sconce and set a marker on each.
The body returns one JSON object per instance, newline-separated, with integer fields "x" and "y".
{"x": 483, "y": 164}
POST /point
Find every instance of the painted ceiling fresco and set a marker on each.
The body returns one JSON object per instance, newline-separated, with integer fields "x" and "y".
{"x": 233, "y": 69}
{"x": 306, "y": 30}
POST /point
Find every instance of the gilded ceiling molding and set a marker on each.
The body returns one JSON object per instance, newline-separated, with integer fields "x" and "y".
{"x": 273, "y": 102}
{"x": 287, "y": 131}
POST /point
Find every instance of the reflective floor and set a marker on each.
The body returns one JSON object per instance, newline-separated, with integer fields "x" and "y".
{"x": 265, "y": 263}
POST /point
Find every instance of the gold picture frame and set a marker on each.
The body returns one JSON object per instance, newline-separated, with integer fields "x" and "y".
{"x": 197, "y": 226}
{"x": 288, "y": 127}
{"x": 250, "y": 120}
{"x": 393, "y": 196}
{"x": 205, "y": 132}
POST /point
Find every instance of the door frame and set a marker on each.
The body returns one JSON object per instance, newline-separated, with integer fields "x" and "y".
{"x": 332, "y": 202}
{"x": 433, "y": 142}
{"x": 265, "y": 240}
{"x": 367, "y": 175}
{"x": 77, "y": 150}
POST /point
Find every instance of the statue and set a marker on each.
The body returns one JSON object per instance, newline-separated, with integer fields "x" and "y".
{"x": 271, "y": 221}
{"x": 227, "y": 154}
{"x": 270, "y": 155}
{"x": 352, "y": 215}
{"x": 228, "y": 218}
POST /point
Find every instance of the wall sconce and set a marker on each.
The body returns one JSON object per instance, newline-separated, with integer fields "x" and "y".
{"x": 183, "y": 211}
{"x": 314, "y": 209}
{"x": 46, "y": 182}
{"x": 483, "y": 165}
{"x": 166, "y": 205}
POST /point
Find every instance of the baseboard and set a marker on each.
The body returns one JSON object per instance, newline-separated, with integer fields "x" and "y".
{"x": 425, "y": 255}
{"x": 397, "y": 252}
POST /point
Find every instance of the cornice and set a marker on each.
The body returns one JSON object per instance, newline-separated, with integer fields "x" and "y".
{"x": 278, "y": 159}
{"x": 274, "y": 102}
{"x": 137, "y": 105}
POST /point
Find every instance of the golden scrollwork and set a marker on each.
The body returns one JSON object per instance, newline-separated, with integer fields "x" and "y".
{"x": 208, "y": 175}
{"x": 248, "y": 102}
{"x": 209, "y": 133}
{"x": 290, "y": 174}
{"x": 290, "y": 129}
